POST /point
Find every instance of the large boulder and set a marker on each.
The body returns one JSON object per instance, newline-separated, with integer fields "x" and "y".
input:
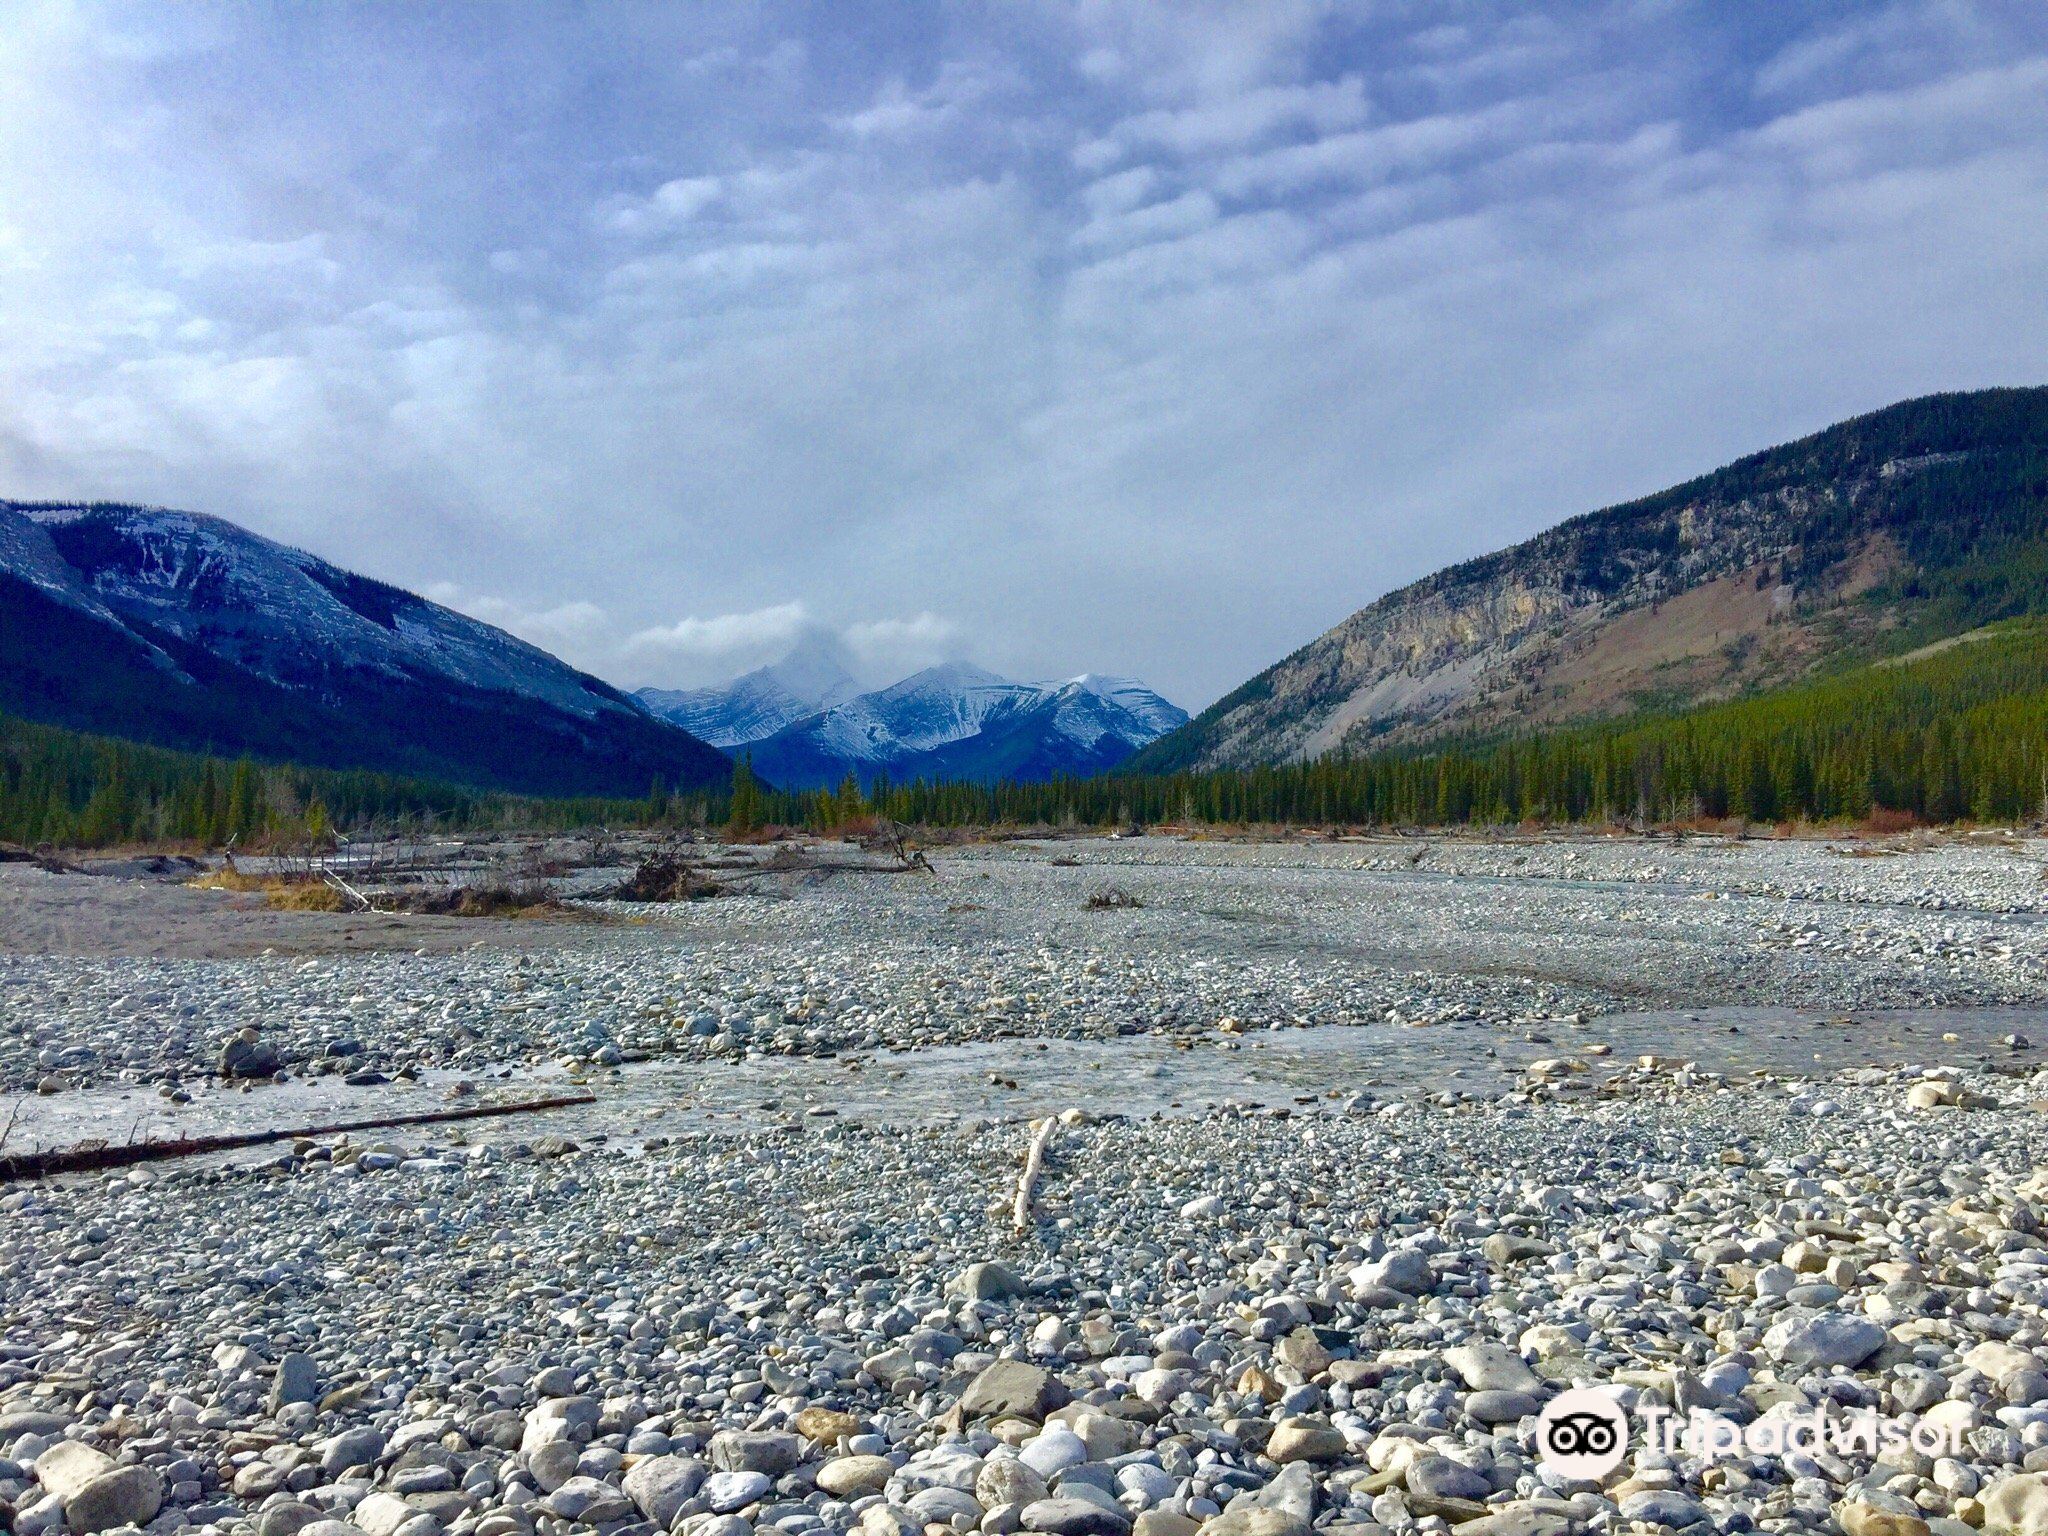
{"x": 1406, "y": 1270}
{"x": 1305, "y": 1439}
{"x": 987, "y": 1281}
{"x": 1075, "y": 1517}
{"x": 1504, "y": 1248}
{"x": 1489, "y": 1367}
{"x": 724, "y": 1492}
{"x": 95, "y": 1494}
{"x": 1284, "y": 1507}
{"x": 351, "y": 1448}
{"x": 1664, "y": 1506}
{"x": 588, "y": 1501}
{"x": 827, "y": 1426}
{"x": 1244, "y": 1518}
{"x": 2000, "y": 1361}
{"x": 297, "y": 1381}
{"x": 124, "y": 1496}
{"x": 1012, "y": 1389}
{"x": 246, "y": 1055}
{"x": 1520, "y": 1519}
{"x": 661, "y": 1485}
{"x": 381, "y": 1513}
{"x": 1860, "y": 1518}
{"x": 848, "y": 1477}
{"x": 15, "y": 1423}
{"x": 1439, "y": 1477}
{"x": 69, "y": 1465}
{"x": 755, "y": 1450}
{"x": 1008, "y": 1480}
{"x": 1824, "y": 1339}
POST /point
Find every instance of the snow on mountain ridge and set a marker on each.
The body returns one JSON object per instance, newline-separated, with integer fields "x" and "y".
{"x": 757, "y": 704}
{"x": 285, "y": 614}
{"x": 960, "y": 720}
{"x": 186, "y": 631}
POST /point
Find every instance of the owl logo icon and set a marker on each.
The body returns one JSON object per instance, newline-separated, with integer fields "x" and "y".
{"x": 1582, "y": 1434}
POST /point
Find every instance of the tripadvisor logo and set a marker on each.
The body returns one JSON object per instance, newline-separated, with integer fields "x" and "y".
{"x": 1582, "y": 1434}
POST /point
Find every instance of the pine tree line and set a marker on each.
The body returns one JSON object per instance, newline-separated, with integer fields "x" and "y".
{"x": 74, "y": 790}
{"x": 1957, "y": 735}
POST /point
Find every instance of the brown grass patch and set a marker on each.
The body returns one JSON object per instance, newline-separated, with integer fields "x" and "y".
{"x": 286, "y": 895}
{"x": 304, "y": 896}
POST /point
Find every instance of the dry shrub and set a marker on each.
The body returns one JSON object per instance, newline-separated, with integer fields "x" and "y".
{"x": 1885, "y": 823}
{"x": 1709, "y": 826}
{"x": 304, "y": 896}
{"x": 773, "y": 832}
{"x": 664, "y": 877}
{"x": 497, "y": 898}
{"x": 1113, "y": 898}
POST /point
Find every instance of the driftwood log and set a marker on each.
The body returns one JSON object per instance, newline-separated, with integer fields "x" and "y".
{"x": 87, "y": 1156}
{"x": 1034, "y": 1165}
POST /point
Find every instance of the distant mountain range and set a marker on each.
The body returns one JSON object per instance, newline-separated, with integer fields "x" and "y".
{"x": 801, "y": 727}
{"x": 1907, "y": 526}
{"x": 1900, "y": 529}
{"x": 189, "y": 631}
{"x": 813, "y": 677}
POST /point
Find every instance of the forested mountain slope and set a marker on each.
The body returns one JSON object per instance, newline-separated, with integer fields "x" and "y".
{"x": 1923, "y": 520}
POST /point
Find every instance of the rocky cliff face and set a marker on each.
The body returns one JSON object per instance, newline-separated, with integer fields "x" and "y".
{"x": 1748, "y": 576}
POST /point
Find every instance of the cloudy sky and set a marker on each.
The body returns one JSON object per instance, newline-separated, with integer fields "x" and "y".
{"x": 1063, "y": 336}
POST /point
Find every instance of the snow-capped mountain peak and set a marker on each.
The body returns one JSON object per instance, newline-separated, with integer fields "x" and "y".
{"x": 813, "y": 677}
{"x": 958, "y": 720}
{"x": 1132, "y": 696}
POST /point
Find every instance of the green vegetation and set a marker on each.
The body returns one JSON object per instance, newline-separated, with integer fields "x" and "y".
{"x": 1958, "y": 734}
{"x": 1949, "y": 493}
{"x": 76, "y": 790}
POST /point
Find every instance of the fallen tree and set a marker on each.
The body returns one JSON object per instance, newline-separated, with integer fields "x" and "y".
{"x": 86, "y": 1156}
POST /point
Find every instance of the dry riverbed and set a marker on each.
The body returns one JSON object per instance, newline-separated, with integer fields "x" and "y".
{"x": 1370, "y": 1149}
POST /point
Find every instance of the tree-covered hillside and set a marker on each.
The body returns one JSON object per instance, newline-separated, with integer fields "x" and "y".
{"x": 1959, "y": 734}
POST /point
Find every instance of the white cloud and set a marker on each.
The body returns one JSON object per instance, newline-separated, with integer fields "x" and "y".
{"x": 671, "y": 204}
{"x": 1128, "y": 338}
{"x": 894, "y": 648}
{"x": 711, "y": 650}
{"x": 580, "y": 632}
{"x": 1244, "y": 118}
{"x": 698, "y": 650}
{"x": 723, "y": 635}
